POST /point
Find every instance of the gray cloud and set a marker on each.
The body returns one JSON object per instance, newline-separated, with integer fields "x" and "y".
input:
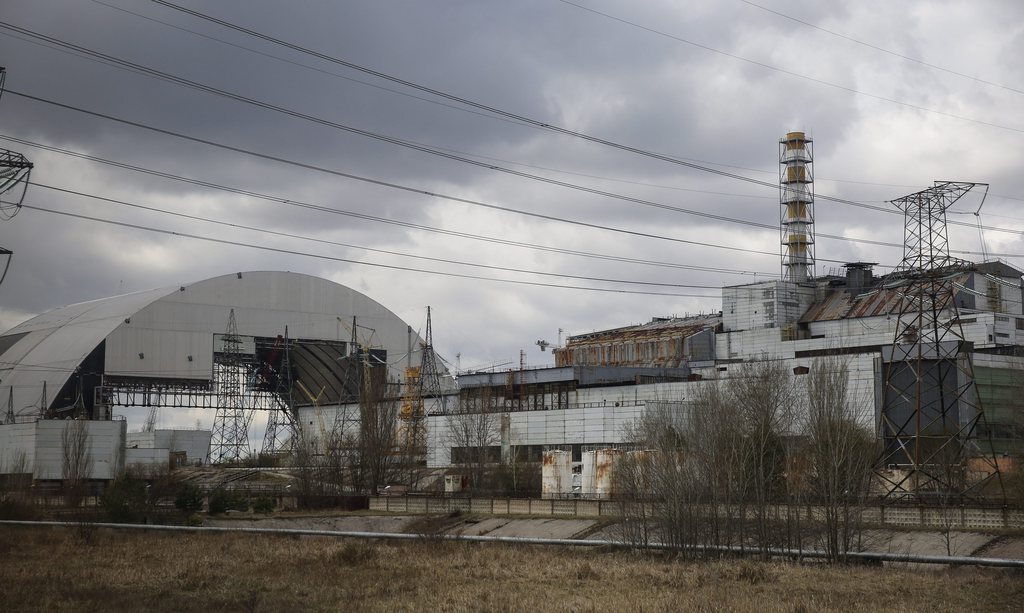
{"x": 541, "y": 59}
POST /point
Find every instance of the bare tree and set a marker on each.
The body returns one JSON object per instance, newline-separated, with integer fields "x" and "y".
{"x": 840, "y": 455}
{"x": 474, "y": 436}
{"x": 766, "y": 404}
{"x": 716, "y": 450}
{"x": 658, "y": 481}
{"x": 76, "y": 460}
{"x": 375, "y": 458}
{"x": 631, "y": 479}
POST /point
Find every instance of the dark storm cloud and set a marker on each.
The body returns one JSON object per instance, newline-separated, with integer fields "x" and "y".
{"x": 542, "y": 59}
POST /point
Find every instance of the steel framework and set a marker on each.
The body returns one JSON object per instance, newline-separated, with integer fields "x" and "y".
{"x": 230, "y": 437}
{"x": 280, "y": 436}
{"x": 15, "y": 170}
{"x": 930, "y": 413}
{"x": 796, "y": 199}
{"x": 423, "y": 384}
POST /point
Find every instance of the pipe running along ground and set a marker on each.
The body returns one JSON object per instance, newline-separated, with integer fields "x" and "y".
{"x": 867, "y": 556}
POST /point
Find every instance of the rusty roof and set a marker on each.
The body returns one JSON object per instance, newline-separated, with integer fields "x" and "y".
{"x": 841, "y": 304}
{"x": 676, "y": 326}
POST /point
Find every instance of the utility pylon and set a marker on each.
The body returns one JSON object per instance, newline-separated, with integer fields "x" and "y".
{"x": 430, "y": 372}
{"x": 15, "y": 171}
{"x": 422, "y": 389}
{"x": 230, "y": 437}
{"x": 936, "y": 446}
{"x": 281, "y": 434}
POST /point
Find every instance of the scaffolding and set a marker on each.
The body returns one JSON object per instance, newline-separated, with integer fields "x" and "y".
{"x": 796, "y": 199}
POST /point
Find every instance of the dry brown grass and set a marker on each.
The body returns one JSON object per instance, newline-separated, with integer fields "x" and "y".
{"x": 58, "y": 569}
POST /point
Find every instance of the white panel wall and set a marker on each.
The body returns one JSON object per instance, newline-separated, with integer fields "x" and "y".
{"x": 17, "y": 447}
{"x": 195, "y": 443}
{"x": 106, "y": 444}
{"x": 147, "y": 459}
{"x": 165, "y": 353}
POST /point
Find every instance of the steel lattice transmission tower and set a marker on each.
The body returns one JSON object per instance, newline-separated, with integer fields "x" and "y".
{"x": 230, "y": 436}
{"x": 281, "y": 434}
{"x": 423, "y": 386}
{"x": 15, "y": 171}
{"x": 430, "y": 372}
{"x": 931, "y": 418}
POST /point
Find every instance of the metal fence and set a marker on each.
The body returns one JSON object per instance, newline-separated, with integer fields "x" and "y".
{"x": 973, "y": 518}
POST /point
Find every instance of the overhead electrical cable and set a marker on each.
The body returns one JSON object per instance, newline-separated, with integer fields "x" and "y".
{"x": 361, "y": 247}
{"x": 882, "y": 49}
{"x": 423, "y": 147}
{"x": 778, "y": 69}
{"x": 479, "y": 156}
{"x": 434, "y": 151}
{"x": 223, "y": 241}
{"x": 688, "y": 162}
{"x": 406, "y": 188}
{"x": 368, "y": 217}
{"x": 455, "y": 107}
{"x": 485, "y": 107}
{"x": 419, "y": 146}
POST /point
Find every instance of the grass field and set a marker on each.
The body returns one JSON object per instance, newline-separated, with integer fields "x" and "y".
{"x": 99, "y": 570}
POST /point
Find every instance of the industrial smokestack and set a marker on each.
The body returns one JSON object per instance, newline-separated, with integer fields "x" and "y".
{"x": 796, "y": 195}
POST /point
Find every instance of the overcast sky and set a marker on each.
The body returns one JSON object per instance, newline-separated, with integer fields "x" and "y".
{"x": 713, "y": 81}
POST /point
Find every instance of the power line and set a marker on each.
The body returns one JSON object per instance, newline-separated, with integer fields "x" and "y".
{"x": 488, "y": 108}
{"x": 472, "y": 154}
{"x": 435, "y": 150}
{"x": 778, "y": 69}
{"x": 397, "y": 186}
{"x": 300, "y": 204}
{"x": 372, "y": 249}
{"x": 882, "y": 49}
{"x": 460, "y": 109}
{"x": 428, "y": 148}
{"x": 517, "y": 211}
{"x": 348, "y": 260}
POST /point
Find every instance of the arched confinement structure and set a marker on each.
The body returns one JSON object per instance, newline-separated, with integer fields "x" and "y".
{"x": 147, "y": 347}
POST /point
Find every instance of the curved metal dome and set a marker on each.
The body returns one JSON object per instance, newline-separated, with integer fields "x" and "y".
{"x": 55, "y": 359}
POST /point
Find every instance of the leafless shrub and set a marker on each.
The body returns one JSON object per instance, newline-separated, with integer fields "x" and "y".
{"x": 355, "y": 553}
